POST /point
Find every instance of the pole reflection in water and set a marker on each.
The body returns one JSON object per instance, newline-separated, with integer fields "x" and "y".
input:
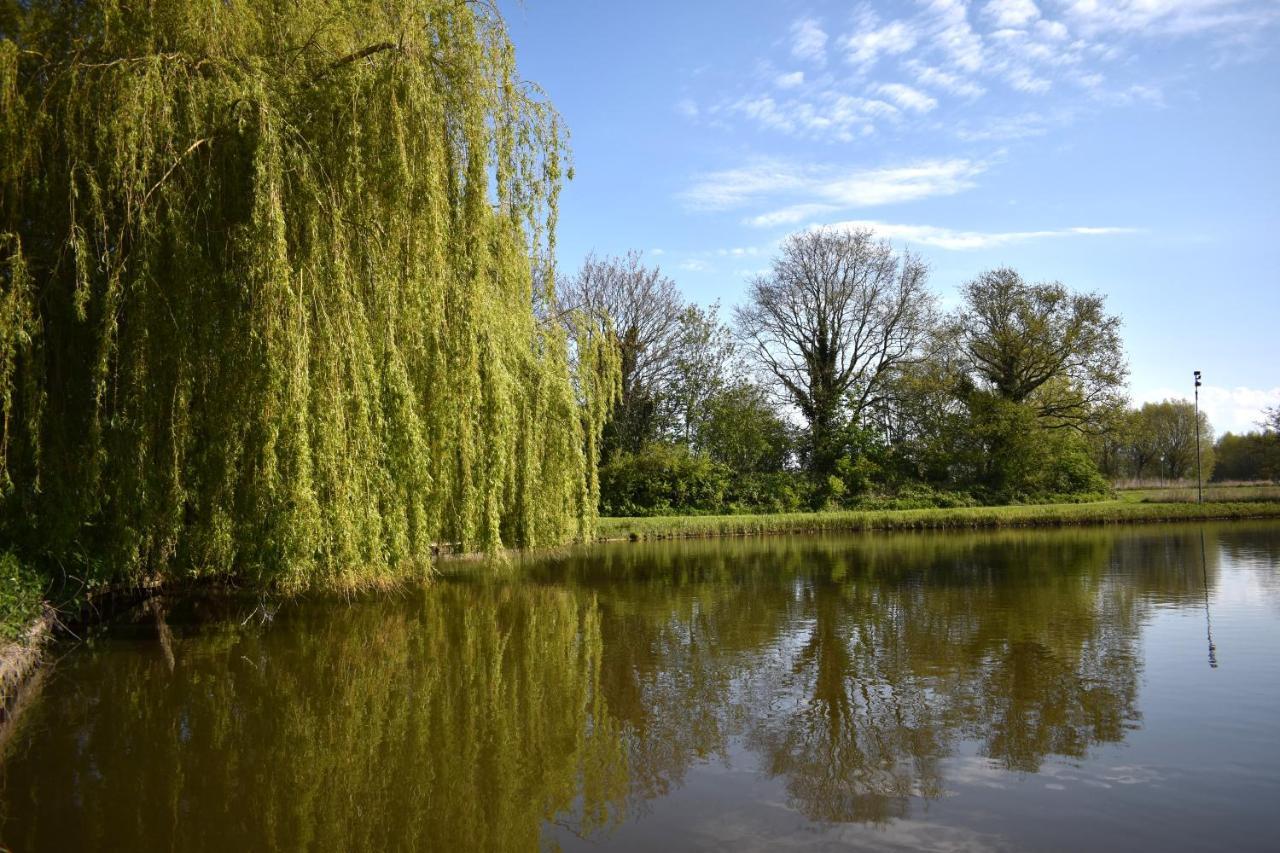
{"x": 1208, "y": 622}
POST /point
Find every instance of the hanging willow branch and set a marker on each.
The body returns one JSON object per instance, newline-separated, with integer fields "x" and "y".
{"x": 260, "y": 317}
{"x": 176, "y": 163}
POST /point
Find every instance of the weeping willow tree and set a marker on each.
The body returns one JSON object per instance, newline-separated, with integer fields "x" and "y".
{"x": 267, "y": 296}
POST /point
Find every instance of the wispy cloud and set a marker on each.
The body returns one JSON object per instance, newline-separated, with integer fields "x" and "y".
{"x": 957, "y": 240}
{"x": 907, "y": 97}
{"x": 790, "y": 215}
{"x": 687, "y": 107}
{"x": 827, "y": 115}
{"x": 1005, "y": 128}
{"x": 789, "y": 80}
{"x": 730, "y": 188}
{"x": 928, "y": 75}
{"x": 1170, "y": 17}
{"x": 811, "y": 190}
{"x": 868, "y": 43}
{"x": 1025, "y": 80}
{"x": 946, "y": 49}
{"x": 808, "y": 41}
{"x": 952, "y": 33}
{"x": 1011, "y": 13}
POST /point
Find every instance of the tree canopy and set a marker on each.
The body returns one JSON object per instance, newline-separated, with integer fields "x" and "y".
{"x": 266, "y": 296}
{"x": 1042, "y": 343}
{"x": 838, "y": 312}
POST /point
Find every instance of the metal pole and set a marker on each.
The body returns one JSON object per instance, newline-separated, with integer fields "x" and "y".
{"x": 1199, "y": 485}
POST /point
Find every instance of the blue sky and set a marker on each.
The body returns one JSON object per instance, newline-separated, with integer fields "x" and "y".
{"x": 1127, "y": 147}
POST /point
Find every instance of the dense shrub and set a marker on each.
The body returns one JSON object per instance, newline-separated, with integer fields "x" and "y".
{"x": 780, "y": 491}
{"x": 662, "y": 479}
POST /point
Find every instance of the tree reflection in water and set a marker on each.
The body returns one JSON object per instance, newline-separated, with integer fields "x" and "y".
{"x": 574, "y": 690}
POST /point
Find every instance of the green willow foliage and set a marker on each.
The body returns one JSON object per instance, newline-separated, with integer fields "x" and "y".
{"x": 266, "y": 296}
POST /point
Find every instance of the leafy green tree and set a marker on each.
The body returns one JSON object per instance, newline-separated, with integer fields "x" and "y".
{"x": 740, "y": 428}
{"x": 267, "y": 290}
{"x": 1033, "y": 368}
{"x": 1112, "y": 442}
{"x": 923, "y": 418}
{"x": 1042, "y": 345}
{"x": 703, "y": 366}
{"x": 1013, "y": 457}
{"x": 1164, "y": 436}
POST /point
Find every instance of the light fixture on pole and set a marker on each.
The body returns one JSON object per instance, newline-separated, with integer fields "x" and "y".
{"x": 1199, "y": 485}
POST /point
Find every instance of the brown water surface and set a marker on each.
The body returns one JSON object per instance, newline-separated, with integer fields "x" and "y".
{"x": 1032, "y": 690}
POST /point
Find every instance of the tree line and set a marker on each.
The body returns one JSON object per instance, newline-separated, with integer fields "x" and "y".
{"x": 839, "y": 381}
{"x": 1254, "y": 455}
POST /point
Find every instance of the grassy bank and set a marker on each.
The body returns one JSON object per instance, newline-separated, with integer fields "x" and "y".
{"x": 1037, "y": 515}
{"x": 1214, "y": 492}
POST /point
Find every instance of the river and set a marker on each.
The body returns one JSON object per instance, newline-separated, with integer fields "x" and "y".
{"x": 1099, "y": 689}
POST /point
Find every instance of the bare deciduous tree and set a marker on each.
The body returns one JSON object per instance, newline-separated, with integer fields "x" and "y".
{"x": 645, "y": 309}
{"x": 838, "y": 312}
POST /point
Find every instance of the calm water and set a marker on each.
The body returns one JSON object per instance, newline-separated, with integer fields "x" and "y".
{"x": 1022, "y": 690}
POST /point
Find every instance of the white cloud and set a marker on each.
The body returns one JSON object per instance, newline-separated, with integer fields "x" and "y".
{"x": 1133, "y": 94}
{"x": 1171, "y": 17}
{"x": 1051, "y": 30}
{"x": 765, "y": 111}
{"x": 955, "y": 240}
{"x": 1237, "y": 409}
{"x": 789, "y": 80}
{"x": 808, "y": 41}
{"x": 965, "y": 47}
{"x": 906, "y": 183}
{"x": 907, "y": 97}
{"x": 828, "y": 114}
{"x": 1000, "y": 128}
{"x": 790, "y": 215}
{"x": 687, "y": 108}
{"x": 928, "y": 75}
{"x": 1011, "y": 13}
{"x": 810, "y": 191}
{"x": 1025, "y": 80}
{"x": 869, "y": 43}
{"x": 953, "y": 34}
{"x": 694, "y": 265}
{"x": 733, "y": 187}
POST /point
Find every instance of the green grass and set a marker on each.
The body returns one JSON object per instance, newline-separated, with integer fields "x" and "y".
{"x": 21, "y": 593}
{"x": 959, "y": 518}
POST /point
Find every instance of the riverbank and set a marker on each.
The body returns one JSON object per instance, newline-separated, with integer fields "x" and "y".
{"x": 19, "y": 660}
{"x": 958, "y": 518}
